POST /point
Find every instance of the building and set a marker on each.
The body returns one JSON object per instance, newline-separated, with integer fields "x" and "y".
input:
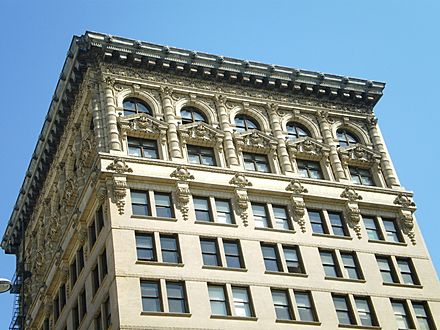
{"x": 172, "y": 189}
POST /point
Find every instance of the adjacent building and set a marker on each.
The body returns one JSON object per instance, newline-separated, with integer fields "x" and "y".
{"x": 172, "y": 189}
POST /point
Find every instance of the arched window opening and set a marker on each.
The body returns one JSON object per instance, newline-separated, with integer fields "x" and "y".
{"x": 133, "y": 106}
{"x": 244, "y": 123}
{"x": 192, "y": 115}
{"x": 346, "y": 138}
{"x": 296, "y": 131}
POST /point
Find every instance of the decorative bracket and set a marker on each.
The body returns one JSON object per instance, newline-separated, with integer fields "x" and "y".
{"x": 297, "y": 200}
{"x": 119, "y": 186}
{"x": 183, "y": 192}
{"x": 406, "y": 211}
{"x": 240, "y": 182}
{"x": 352, "y": 211}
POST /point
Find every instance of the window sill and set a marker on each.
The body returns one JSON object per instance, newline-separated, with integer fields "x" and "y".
{"x": 286, "y": 274}
{"x": 333, "y": 236}
{"x": 355, "y": 326}
{"x": 343, "y": 279}
{"x": 225, "y": 268}
{"x": 232, "y": 317}
{"x": 166, "y": 314}
{"x": 216, "y": 223}
{"x": 150, "y": 217}
{"x": 387, "y": 242}
{"x": 157, "y": 263}
{"x": 298, "y": 322}
{"x": 403, "y": 285}
{"x": 288, "y": 231}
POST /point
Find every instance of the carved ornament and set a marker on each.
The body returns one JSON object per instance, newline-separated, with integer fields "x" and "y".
{"x": 297, "y": 202}
{"x": 240, "y": 180}
{"x": 255, "y": 141}
{"x": 182, "y": 196}
{"x": 142, "y": 124}
{"x": 359, "y": 155}
{"x": 296, "y": 187}
{"x": 307, "y": 147}
{"x": 182, "y": 173}
{"x": 119, "y": 187}
{"x": 118, "y": 165}
{"x": 200, "y": 133}
{"x": 404, "y": 201}
{"x": 350, "y": 194}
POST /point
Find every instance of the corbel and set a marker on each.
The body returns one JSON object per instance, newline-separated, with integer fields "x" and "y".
{"x": 406, "y": 219}
{"x": 352, "y": 212}
{"x": 182, "y": 192}
{"x": 118, "y": 184}
{"x": 240, "y": 182}
{"x": 297, "y": 202}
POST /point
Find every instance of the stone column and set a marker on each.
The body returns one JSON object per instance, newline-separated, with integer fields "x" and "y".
{"x": 286, "y": 164}
{"x": 170, "y": 118}
{"x": 385, "y": 163}
{"x": 98, "y": 130}
{"x": 112, "y": 125}
{"x": 324, "y": 124}
{"x": 230, "y": 154}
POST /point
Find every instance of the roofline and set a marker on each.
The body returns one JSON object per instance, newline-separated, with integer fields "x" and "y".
{"x": 354, "y": 91}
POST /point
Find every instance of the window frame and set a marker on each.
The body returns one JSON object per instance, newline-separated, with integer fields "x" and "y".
{"x": 142, "y": 147}
{"x": 281, "y": 260}
{"x": 221, "y": 255}
{"x": 191, "y": 109}
{"x": 354, "y": 312}
{"x": 326, "y": 223}
{"x": 229, "y": 301}
{"x": 347, "y": 134}
{"x": 395, "y": 271}
{"x": 296, "y": 135}
{"x": 157, "y": 248}
{"x": 152, "y": 204}
{"x": 381, "y": 230}
{"x": 213, "y": 212}
{"x": 249, "y": 158}
{"x": 307, "y": 166}
{"x": 271, "y": 218}
{"x": 136, "y": 101}
{"x": 246, "y": 119}
{"x": 293, "y": 307}
{"x": 363, "y": 175}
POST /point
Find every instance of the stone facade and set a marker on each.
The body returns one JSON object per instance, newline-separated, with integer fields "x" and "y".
{"x": 90, "y": 226}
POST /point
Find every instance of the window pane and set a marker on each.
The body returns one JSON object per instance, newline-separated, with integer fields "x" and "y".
{"x": 328, "y": 262}
{"x": 281, "y": 218}
{"x": 169, "y": 249}
{"x": 391, "y": 230}
{"x": 150, "y": 297}
{"x": 282, "y": 305}
{"x": 270, "y": 258}
{"x": 241, "y": 302}
{"x": 342, "y": 310}
{"x": 371, "y": 227}
{"x": 232, "y": 254}
{"x": 337, "y": 224}
{"x": 163, "y": 205}
{"x": 260, "y": 215}
{"x": 317, "y": 222}
{"x": 138, "y": 197}
{"x": 176, "y": 297}
{"x": 350, "y": 265}
{"x": 292, "y": 260}
{"x": 223, "y": 211}
{"x": 209, "y": 252}
{"x": 217, "y": 300}
{"x": 423, "y": 320}
{"x": 401, "y": 315}
{"x": 305, "y": 308}
{"x": 364, "y": 312}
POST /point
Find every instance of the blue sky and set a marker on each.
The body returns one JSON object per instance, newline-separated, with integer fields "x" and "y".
{"x": 395, "y": 41}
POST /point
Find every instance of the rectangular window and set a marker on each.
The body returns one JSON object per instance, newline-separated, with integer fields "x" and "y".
{"x": 80, "y": 260}
{"x": 241, "y": 302}
{"x": 256, "y": 162}
{"x": 306, "y": 310}
{"x": 407, "y": 271}
{"x": 210, "y": 253}
{"x": 170, "y": 249}
{"x": 402, "y": 315}
{"x": 217, "y": 299}
{"x": 372, "y": 228}
{"x": 151, "y": 301}
{"x": 309, "y": 169}
{"x": 82, "y": 305}
{"x": 176, "y": 297}
{"x": 139, "y": 203}
{"x": 343, "y": 310}
{"x": 329, "y": 263}
{"x": 63, "y": 296}
{"x": 95, "y": 280}
{"x": 387, "y": 270}
{"x": 270, "y": 257}
{"x": 96, "y": 227}
{"x": 232, "y": 254}
{"x": 318, "y": 223}
{"x": 92, "y": 234}
{"x": 75, "y": 317}
{"x": 260, "y": 215}
{"x": 365, "y": 311}
{"x": 361, "y": 176}
{"x": 293, "y": 261}
{"x": 73, "y": 276}
{"x": 201, "y": 155}
{"x": 281, "y": 219}
{"x": 351, "y": 266}
{"x": 145, "y": 247}
{"x": 423, "y": 316}
{"x": 224, "y": 213}
{"x": 163, "y": 205}
{"x": 202, "y": 209}
{"x": 107, "y": 313}
{"x": 391, "y": 232}
{"x": 282, "y": 305}
{"x": 337, "y": 225}
{"x": 56, "y": 308}
{"x": 142, "y": 148}
{"x": 103, "y": 265}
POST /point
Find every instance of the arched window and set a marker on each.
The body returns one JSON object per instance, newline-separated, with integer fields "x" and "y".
{"x": 132, "y": 106}
{"x": 296, "y": 131}
{"x": 191, "y": 115}
{"x": 245, "y": 123}
{"x": 346, "y": 138}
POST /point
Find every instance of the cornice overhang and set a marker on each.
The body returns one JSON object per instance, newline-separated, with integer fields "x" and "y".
{"x": 92, "y": 46}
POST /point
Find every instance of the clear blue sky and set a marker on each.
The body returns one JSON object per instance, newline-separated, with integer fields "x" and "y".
{"x": 395, "y": 41}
